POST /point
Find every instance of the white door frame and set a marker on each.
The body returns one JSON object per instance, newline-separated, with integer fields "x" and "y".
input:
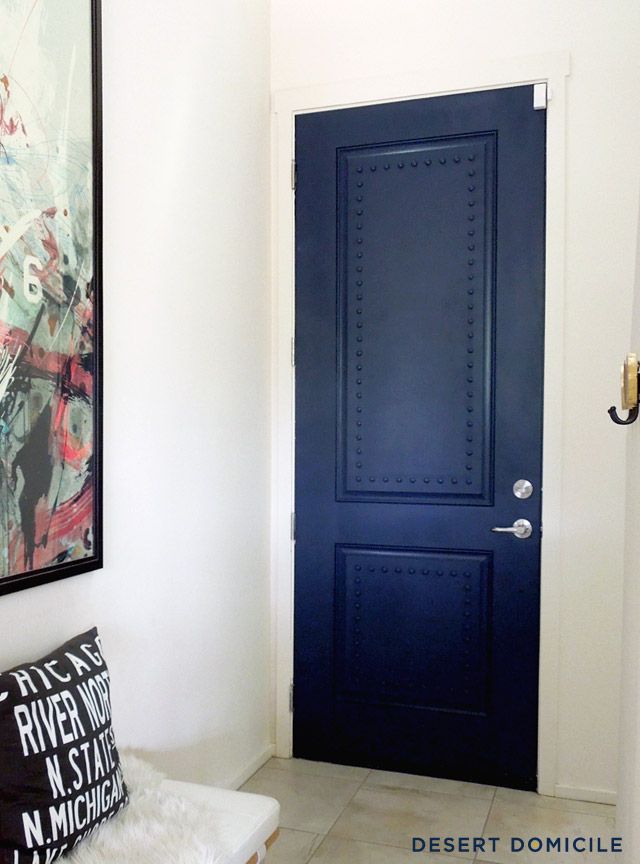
{"x": 439, "y": 80}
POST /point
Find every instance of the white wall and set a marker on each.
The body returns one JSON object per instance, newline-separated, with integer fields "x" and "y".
{"x": 629, "y": 804}
{"x": 348, "y": 39}
{"x": 183, "y": 601}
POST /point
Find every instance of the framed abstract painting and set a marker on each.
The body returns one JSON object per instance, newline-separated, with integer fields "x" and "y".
{"x": 50, "y": 291}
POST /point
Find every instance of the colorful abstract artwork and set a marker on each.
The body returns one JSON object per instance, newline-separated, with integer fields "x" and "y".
{"x": 49, "y": 291}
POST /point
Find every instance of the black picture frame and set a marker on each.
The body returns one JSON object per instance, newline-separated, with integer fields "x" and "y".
{"x": 66, "y": 569}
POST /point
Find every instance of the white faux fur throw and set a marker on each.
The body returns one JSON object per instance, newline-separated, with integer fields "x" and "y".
{"x": 155, "y": 828}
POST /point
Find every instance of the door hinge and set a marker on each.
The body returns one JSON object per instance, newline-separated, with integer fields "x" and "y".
{"x": 293, "y": 351}
{"x": 540, "y": 96}
{"x": 291, "y": 698}
{"x": 294, "y": 174}
{"x": 293, "y": 527}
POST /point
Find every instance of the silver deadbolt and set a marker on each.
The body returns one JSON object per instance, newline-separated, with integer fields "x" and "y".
{"x": 521, "y": 528}
{"x": 523, "y": 489}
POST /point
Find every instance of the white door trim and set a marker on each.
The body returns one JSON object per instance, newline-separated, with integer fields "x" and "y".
{"x": 465, "y": 76}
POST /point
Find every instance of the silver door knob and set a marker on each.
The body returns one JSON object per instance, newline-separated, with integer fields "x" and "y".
{"x": 521, "y": 528}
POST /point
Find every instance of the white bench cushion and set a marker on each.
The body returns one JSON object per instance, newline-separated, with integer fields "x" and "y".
{"x": 171, "y": 822}
{"x": 244, "y": 822}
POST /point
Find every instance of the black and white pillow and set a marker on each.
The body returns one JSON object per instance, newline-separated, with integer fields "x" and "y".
{"x": 60, "y": 773}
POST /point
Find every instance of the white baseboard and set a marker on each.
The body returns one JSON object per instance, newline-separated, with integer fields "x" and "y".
{"x": 598, "y": 796}
{"x": 257, "y": 763}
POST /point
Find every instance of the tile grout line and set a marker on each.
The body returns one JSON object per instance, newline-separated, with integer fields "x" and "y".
{"x": 315, "y": 848}
{"x": 486, "y": 821}
{"x": 360, "y": 785}
{"x": 324, "y": 836}
{"x": 319, "y": 846}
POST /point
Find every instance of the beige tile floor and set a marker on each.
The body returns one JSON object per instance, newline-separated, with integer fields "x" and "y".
{"x": 334, "y": 814}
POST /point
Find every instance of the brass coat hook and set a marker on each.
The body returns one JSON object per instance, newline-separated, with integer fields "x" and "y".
{"x": 630, "y": 373}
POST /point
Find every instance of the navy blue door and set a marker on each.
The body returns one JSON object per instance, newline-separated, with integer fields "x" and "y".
{"x": 419, "y": 346}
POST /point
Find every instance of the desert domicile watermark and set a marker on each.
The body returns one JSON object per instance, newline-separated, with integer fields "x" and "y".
{"x": 561, "y": 845}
